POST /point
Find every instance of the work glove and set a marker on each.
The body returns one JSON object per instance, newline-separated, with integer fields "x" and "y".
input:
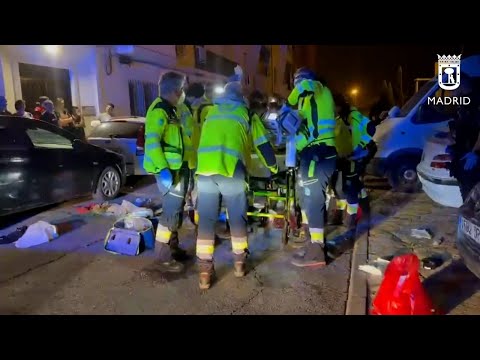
{"x": 166, "y": 178}
{"x": 471, "y": 160}
{"x": 358, "y": 153}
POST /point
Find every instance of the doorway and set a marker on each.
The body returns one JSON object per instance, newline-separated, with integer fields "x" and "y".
{"x": 48, "y": 81}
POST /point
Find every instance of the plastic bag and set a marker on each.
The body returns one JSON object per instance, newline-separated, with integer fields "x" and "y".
{"x": 401, "y": 291}
{"x": 38, "y": 233}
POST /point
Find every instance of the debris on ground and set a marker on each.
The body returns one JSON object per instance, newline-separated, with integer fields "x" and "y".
{"x": 438, "y": 242}
{"x": 38, "y": 233}
{"x": 127, "y": 208}
{"x": 136, "y": 223}
{"x": 92, "y": 208}
{"x": 370, "y": 269}
{"x": 432, "y": 262}
{"x": 376, "y": 268}
{"x": 143, "y": 202}
{"x": 421, "y": 233}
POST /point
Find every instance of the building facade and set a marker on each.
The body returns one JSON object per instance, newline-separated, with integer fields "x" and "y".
{"x": 90, "y": 76}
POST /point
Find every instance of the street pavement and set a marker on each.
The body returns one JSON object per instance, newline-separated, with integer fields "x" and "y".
{"x": 74, "y": 275}
{"x": 452, "y": 287}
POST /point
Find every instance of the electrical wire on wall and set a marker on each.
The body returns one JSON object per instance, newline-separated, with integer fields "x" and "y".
{"x": 109, "y": 63}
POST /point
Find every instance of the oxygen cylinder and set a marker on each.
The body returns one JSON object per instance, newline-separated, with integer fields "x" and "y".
{"x": 290, "y": 152}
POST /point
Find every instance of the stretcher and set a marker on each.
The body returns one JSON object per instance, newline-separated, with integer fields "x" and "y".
{"x": 272, "y": 199}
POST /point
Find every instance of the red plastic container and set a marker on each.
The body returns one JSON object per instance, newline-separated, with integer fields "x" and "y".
{"x": 401, "y": 291}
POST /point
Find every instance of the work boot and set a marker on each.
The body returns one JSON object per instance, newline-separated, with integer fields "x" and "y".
{"x": 240, "y": 264}
{"x": 177, "y": 252}
{"x": 302, "y": 238}
{"x": 206, "y": 273}
{"x": 314, "y": 256}
{"x": 163, "y": 255}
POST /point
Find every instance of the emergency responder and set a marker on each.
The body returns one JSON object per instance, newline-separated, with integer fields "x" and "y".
{"x": 201, "y": 105}
{"x": 166, "y": 157}
{"x": 315, "y": 144}
{"x": 354, "y": 147}
{"x": 465, "y": 130}
{"x": 223, "y": 157}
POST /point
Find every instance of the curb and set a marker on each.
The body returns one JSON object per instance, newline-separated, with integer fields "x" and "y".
{"x": 357, "y": 298}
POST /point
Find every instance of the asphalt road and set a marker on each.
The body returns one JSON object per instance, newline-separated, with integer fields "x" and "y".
{"x": 74, "y": 275}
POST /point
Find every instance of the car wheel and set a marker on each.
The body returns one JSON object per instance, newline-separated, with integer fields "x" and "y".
{"x": 403, "y": 176}
{"x": 108, "y": 185}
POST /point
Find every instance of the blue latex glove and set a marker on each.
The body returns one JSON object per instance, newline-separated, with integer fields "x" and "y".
{"x": 166, "y": 178}
{"x": 358, "y": 153}
{"x": 449, "y": 149}
{"x": 471, "y": 160}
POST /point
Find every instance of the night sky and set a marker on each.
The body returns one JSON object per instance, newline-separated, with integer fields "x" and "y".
{"x": 365, "y": 67}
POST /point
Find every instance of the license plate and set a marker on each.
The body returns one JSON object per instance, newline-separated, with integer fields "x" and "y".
{"x": 470, "y": 229}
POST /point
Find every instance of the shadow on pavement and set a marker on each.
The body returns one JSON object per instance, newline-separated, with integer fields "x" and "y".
{"x": 9, "y": 220}
{"x": 451, "y": 286}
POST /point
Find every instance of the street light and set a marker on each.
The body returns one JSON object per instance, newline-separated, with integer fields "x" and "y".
{"x": 354, "y": 93}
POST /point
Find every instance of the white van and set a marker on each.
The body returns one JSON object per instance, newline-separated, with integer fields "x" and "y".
{"x": 401, "y": 137}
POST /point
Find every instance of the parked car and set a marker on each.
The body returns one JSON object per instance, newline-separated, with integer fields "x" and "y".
{"x": 434, "y": 172}
{"x": 41, "y": 164}
{"x": 123, "y": 135}
{"x": 468, "y": 231}
{"x": 401, "y": 137}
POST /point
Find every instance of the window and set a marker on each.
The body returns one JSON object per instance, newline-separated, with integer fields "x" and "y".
{"x": 410, "y": 104}
{"x": 45, "y": 139}
{"x": 13, "y": 140}
{"x": 200, "y": 57}
{"x": 219, "y": 65}
{"x": 264, "y": 60}
{"x": 141, "y": 95}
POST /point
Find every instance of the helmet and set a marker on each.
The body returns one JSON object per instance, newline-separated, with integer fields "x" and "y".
{"x": 303, "y": 73}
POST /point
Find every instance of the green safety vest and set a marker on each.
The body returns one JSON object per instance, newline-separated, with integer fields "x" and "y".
{"x": 317, "y": 109}
{"x": 359, "y": 125}
{"x": 228, "y": 135}
{"x": 165, "y": 141}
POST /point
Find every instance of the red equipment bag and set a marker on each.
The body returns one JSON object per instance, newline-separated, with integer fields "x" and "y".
{"x": 401, "y": 291}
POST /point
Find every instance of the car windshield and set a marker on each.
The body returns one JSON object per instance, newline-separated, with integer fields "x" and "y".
{"x": 117, "y": 129}
{"x": 410, "y": 104}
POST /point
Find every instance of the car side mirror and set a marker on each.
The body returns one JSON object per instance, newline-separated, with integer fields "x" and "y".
{"x": 394, "y": 112}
